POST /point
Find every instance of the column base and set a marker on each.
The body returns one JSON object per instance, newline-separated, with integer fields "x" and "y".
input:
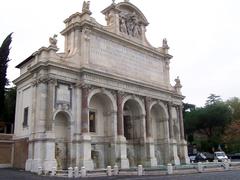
{"x": 184, "y": 152}
{"x": 122, "y": 159}
{"x": 36, "y": 163}
{"x": 28, "y": 165}
{"x": 49, "y": 164}
{"x": 85, "y": 152}
{"x": 151, "y": 160}
{"x": 174, "y": 152}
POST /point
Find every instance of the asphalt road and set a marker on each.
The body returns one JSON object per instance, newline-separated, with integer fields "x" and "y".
{"x": 10, "y": 174}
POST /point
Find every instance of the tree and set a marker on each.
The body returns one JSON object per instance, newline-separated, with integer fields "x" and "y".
{"x": 231, "y": 136}
{"x": 234, "y": 104}
{"x": 4, "y": 52}
{"x": 212, "y": 99}
{"x": 209, "y": 122}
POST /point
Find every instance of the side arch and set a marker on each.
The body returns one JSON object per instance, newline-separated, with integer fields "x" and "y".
{"x": 105, "y": 92}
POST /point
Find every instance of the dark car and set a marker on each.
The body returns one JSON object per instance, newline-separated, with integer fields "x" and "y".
{"x": 200, "y": 157}
{"x": 209, "y": 156}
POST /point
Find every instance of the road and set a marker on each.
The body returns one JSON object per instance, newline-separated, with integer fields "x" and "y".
{"x": 10, "y": 174}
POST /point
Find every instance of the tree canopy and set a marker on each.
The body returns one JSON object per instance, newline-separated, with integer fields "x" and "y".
{"x": 4, "y": 53}
{"x": 209, "y": 121}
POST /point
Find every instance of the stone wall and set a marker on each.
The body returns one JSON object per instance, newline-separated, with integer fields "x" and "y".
{"x": 20, "y": 153}
{"x": 6, "y": 150}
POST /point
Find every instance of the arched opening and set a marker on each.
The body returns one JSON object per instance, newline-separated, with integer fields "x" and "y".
{"x": 102, "y": 128}
{"x": 159, "y": 131}
{"x": 133, "y": 131}
{"x": 62, "y": 133}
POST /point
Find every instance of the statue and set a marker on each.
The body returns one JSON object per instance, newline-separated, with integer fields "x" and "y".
{"x": 53, "y": 41}
{"x": 165, "y": 44}
{"x": 137, "y": 31}
{"x": 178, "y": 85}
{"x": 123, "y": 27}
{"x": 86, "y": 6}
{"x": 178, "y": 82}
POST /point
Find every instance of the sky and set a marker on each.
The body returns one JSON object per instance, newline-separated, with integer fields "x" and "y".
{"x": 203, "y": 36}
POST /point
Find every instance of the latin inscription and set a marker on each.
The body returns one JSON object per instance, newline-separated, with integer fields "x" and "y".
{"x": 125, "y": 61}
{"x": 63, "y": 93}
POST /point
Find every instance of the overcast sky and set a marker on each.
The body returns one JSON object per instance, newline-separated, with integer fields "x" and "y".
{"x": 203, "y": 35}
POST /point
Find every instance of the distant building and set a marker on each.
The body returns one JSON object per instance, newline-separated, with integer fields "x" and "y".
{"x": 106, "y": 100}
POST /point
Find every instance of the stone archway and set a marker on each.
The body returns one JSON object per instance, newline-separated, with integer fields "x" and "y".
{"x": 102, "y": 127}
{"x": 134, "y": 130}
{"x": 62, "y": 137}
{"x": 159, "y": 117}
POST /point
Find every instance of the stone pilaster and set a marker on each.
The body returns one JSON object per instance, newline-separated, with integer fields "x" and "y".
{"x": 123, "y": 161}
{"x": 120, "y": 128}
{"x": 181, "y": 123}
{"x": 78, "y": 106}
{"x": 183, "y": 153}
{"x": 149, "y": 144}
{"x": 84, "y": 115}
{"x": 148, "y": 119}
{"x": 170, "y": 120}
{"x": 85, "y": 139}
{"x": 171, "y": 146}
{"x": 50, "y": 103}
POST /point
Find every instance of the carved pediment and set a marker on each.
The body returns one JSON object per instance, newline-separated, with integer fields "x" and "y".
{"x": 126, "y": 19}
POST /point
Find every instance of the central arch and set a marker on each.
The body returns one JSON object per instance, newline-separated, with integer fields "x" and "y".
{"x": 102, "y": 127}
{"x": 134, "y": 129}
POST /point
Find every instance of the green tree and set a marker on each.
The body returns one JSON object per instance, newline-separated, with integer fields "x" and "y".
{"x": 209, "y": 121}
{"x": 4, "y": 52}
{"x": 234, "y": 104}
{"x": 212, "y": 99}
{"x": 10, "y": 102}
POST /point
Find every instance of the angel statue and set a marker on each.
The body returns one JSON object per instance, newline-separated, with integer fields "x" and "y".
{"x": 53, "y": 40}
{"x": 165, "y": 44}
{"x": 86, "y": 6}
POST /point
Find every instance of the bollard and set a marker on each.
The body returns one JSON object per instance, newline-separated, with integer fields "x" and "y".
{"x": 199, "y": 167}
{"x": 226, "y": 166}
{"x": 109, "y": 171}
{"x": 40, "y": 170}
{"x": 53, "y": 173}
{"x": 70, "y": 172}
{"x": 140, "y": 170}
{"x": 169, "y": 169}
{"x": 115, "y": 170}
{"x": 83, "y": 172}
{"x": 76, "y": 172}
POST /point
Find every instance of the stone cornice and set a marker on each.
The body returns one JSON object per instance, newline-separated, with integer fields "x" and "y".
{"x": 139, "y": 85}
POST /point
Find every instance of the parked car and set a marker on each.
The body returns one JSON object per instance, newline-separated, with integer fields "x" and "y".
{"x": 199, "y": 157}
{"x": 209, "y": 156}
{"x": 220, "y": 156}
{"x": 234, "y": 157}
{"x": 192, "y": 157}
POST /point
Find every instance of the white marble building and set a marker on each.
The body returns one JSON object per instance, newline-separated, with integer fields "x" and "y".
{"x": 106, "y": 100}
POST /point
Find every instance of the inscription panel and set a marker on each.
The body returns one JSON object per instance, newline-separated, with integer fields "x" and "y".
{"x": 63, "y": 95}
{"x": 125, "y": 61}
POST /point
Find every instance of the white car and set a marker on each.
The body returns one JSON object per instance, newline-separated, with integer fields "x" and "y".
{"x": 220, "y": 156}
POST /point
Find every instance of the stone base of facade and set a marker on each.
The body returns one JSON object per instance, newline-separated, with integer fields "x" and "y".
{"x": 49, "y": 164}
{"x": 122, "y": 159}
{"x": 151, "y": 160}
{"x": 170, "y": 152}
{"x": 184, "y": 152}
{"x": 36, "y": 163}
{"x": 85, "y": 151}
